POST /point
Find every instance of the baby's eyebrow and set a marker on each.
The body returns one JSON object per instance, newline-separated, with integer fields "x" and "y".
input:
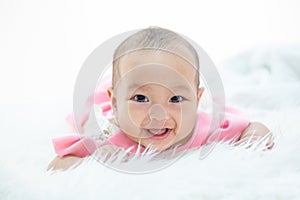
{"x": 135, "y": 86}
{"x": 181, "y": 87}
{"x": 174, "y": 88}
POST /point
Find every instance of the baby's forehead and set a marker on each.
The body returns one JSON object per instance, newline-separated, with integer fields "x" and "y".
{"x": 156, "y": 88}
{"x": 142, "y": 68}
{"x": 148, "y": 55}
{"x": 155, "y": 57}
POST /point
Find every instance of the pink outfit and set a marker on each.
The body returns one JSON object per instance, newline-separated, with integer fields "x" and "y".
{"x": 82, "y": 146}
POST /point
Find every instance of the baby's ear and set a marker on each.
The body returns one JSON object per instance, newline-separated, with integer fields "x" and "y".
{"x": 200, "y": 92}
{"x": 109, "y": 92}
{"x": 112, "y": 98}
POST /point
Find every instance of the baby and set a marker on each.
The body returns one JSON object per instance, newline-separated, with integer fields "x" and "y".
{"x": 154, "y": 96}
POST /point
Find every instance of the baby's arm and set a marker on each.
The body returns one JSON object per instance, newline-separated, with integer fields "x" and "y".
{"x": 64, "y": 163}
{"x": 254, "y": 132}
{"x": 67, "y": 162}
{"x": 71, "y": 151}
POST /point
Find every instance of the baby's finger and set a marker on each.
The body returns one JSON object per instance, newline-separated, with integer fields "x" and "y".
{"x": 257, "y": 140}
{"x": 248, "y": 141}
{"x": 52, "y": 164}
{"x": 64, "y": 163}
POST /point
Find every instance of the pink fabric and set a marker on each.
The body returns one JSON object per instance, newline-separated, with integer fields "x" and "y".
{"x": 74, "y": 145}
{"x": 234, "y": 124}
{"x": 100, "y": 98}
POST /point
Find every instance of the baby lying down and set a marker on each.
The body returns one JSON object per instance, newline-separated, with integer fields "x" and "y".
{"x": 154, "y": 97}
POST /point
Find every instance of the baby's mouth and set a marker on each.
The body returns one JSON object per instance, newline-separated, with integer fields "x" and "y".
{"x": 158, "y": 134}
{"x": 158, "y": 131}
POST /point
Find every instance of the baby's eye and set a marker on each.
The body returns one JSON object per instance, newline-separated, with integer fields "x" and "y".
{"x": 176, "y": 99}
{"x": 140, "y": 98}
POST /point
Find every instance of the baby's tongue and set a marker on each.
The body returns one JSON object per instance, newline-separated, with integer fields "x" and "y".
{"x": 157, "y": 131}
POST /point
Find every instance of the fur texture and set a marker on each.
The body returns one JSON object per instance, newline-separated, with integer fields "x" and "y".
{"x": 263, "y": 83}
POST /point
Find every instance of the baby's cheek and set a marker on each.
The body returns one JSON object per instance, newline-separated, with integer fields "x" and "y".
{"x": 137, "y": 112}
{"x": 187, "y": 119}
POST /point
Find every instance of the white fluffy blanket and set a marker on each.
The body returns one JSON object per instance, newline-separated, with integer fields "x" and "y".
{"x": 264, "y": 83}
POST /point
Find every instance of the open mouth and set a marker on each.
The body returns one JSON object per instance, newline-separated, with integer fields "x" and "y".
{"x": 158, "y": 134}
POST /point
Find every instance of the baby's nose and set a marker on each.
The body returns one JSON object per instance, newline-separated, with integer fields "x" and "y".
{"x": 157, "y": 112}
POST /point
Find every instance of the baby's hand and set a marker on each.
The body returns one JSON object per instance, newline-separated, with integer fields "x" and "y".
{"x": 64, "y": 163}
{"x": 255, "y": 132}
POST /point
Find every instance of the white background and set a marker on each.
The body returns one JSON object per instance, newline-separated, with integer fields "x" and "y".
{"x": 44, "y": 43}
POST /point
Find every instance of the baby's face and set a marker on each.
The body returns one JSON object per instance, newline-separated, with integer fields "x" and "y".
{"x": 155, "y": 99}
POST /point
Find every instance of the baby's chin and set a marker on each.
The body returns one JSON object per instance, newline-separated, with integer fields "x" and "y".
{"x": 160, "y": 145}
{"x": 173, "y": 144}
{"x": 165, "y": 145}
{"x": 157, "y": 146}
